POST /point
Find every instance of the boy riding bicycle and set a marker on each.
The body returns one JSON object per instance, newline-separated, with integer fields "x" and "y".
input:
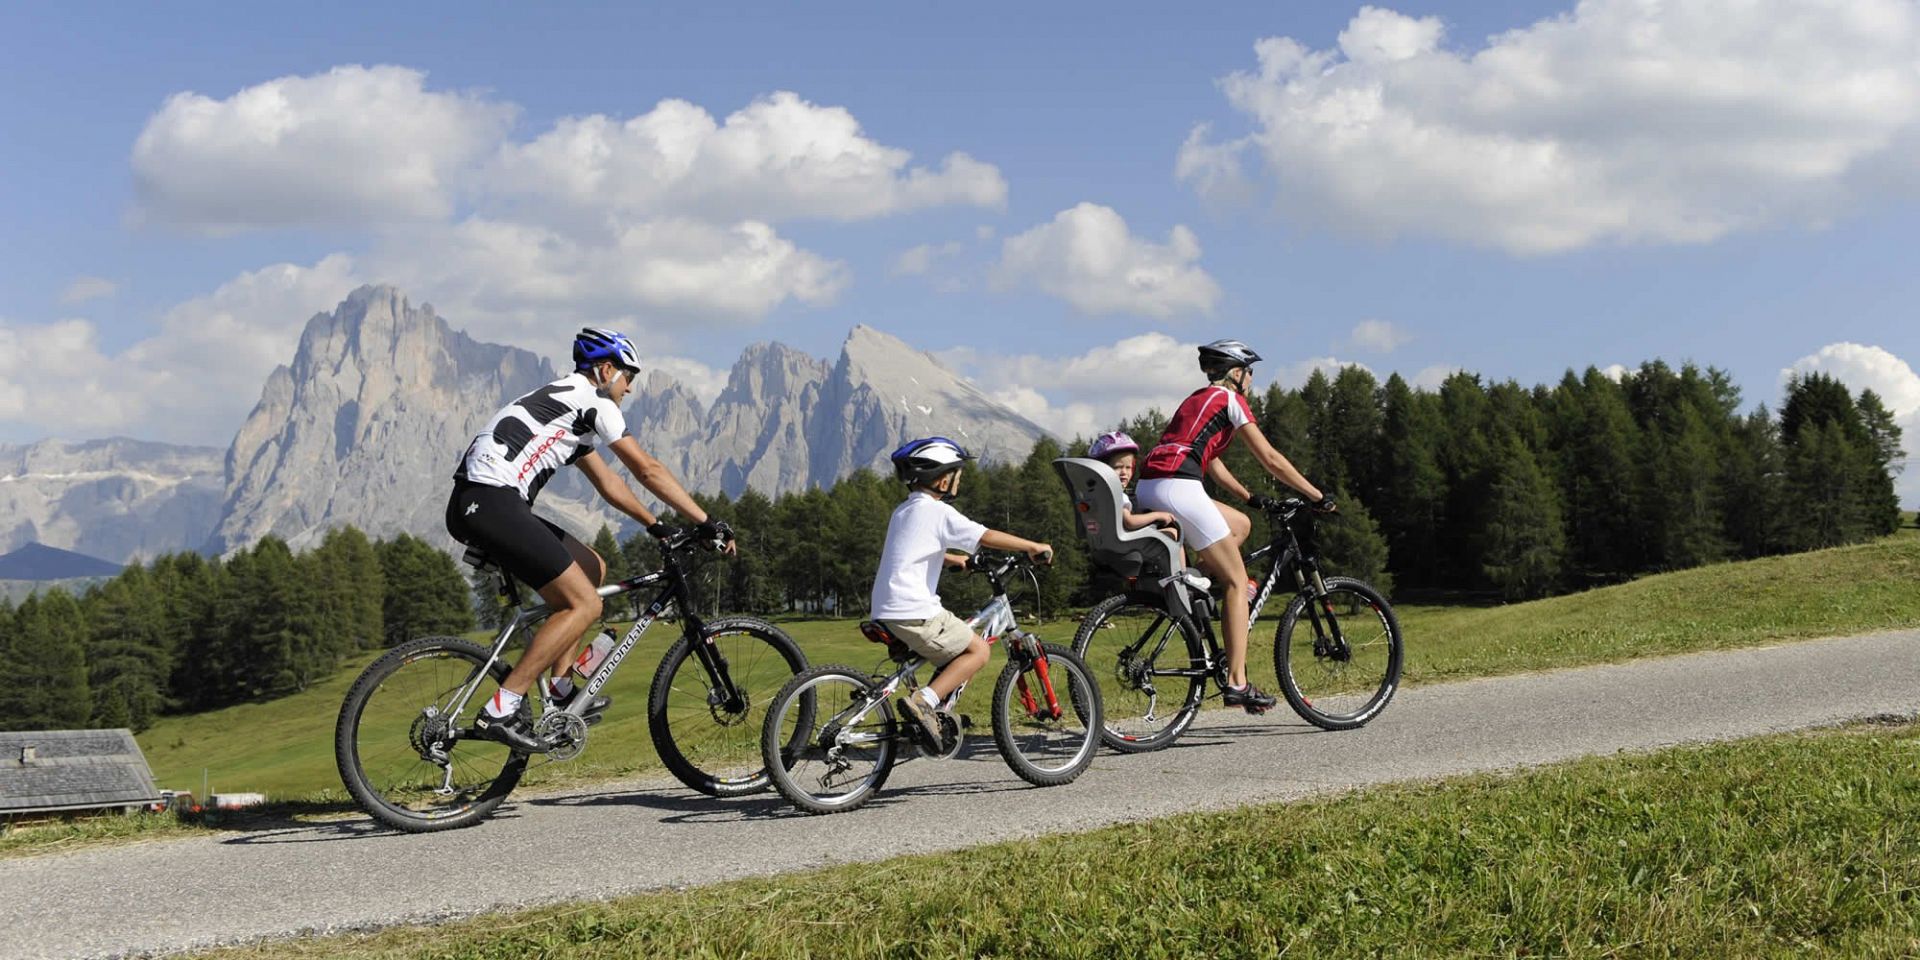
{"x": 905, "y": 599}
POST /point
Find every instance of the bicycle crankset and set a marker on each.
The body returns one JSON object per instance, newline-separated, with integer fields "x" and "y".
{"x": 566, "y": 732}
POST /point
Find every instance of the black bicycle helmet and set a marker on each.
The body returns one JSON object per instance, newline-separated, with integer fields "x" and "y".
{"x": 924, "y": 460}
{"x": 1220, "y": 356}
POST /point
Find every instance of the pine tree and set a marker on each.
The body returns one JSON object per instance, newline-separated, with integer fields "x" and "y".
{"x": 1523, "y": 542}
{"x": 128, "y": 660}
{"x": 426, "y": 593}
{"x": 46, "y": 688}
{"x": 1413, "y": 490}
{"x": 1351, "y": 544}
{"x": 352, "y": 590}
{"x": 1880, "y": 504}
{"x": 608, "y": 548}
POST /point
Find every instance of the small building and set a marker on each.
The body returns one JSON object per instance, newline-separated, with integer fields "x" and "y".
{"x": 55, "y": 771}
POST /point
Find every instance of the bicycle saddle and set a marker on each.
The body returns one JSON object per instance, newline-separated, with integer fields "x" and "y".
{"x": 877, "y": 632}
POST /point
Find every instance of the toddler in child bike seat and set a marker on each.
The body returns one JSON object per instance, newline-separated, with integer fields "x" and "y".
{"x": 1117, "y": 450}
{"x": 920, "y": 535}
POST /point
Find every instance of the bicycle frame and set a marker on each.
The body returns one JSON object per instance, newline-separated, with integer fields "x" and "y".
{"x": 674, "y": 592}
{"x": 993, "y": 621}
{"x": 1291, "y": 556}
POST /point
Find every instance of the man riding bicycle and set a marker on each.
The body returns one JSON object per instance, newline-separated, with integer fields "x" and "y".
{"x": 1205, "y": 424}
{"x": 491, "y": 508}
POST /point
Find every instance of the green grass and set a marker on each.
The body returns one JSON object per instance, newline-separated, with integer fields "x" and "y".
{"x": 1797, "y": 844}
{"x": 285, "y": 747}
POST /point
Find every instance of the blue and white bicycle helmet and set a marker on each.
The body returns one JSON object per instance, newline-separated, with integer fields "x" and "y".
{"x": 926, "y": 459}
{"x": 594, "y": 345}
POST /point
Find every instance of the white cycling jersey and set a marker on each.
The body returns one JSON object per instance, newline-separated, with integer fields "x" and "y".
{"x": 539, "y": 433}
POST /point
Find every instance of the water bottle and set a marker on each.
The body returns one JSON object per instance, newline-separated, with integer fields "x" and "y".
{"x": 595, "y": 654}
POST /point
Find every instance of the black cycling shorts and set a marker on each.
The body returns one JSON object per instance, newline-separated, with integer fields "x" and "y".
{"x": 529, "y": 547}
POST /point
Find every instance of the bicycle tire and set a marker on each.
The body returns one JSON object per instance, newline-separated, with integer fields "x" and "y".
{"x": 404, "y": 806}
{"x": 1072, "y": 739}
{"x": 713, "y": 750}
{"x": 1130, "y": 721}
{"x": 1384, "y": 648}
{"x": 801, "y": 774}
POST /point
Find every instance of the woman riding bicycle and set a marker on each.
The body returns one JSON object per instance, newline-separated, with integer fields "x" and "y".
{"x": 1205, "y": 424}
{"x": 491, "y": 508}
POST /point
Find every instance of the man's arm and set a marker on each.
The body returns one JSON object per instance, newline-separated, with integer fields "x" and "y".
{"x": 653, "y": 475}
{"x": 613, "y": 489}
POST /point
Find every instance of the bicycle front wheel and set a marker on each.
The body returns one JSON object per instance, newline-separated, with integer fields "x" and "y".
{"x": 400, "y": 748}
{"x": 1338, "y": 656}
{"x": 1129, "y": 644}
{"x": 829, "y": 738}
{"x": 707, "y": 739}
{"x": 1046, "y": 717}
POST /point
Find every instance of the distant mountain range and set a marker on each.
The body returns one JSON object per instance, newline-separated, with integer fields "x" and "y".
{"x": 37, "y": 561}
{"x": 364, "y": 424}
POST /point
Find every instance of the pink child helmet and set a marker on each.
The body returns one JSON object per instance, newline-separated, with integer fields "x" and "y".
{"x": 1108, "y": 444}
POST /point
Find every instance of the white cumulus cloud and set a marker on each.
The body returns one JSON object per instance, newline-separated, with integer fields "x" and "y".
{"x": 83, "y": 289}
{"x": 355, "y": 145}
{"x": 1380, "y": 336}
{"x": 1621, "y": 121}
{"x": 191, "y": 381}
{"x": 1087, "y": 257}
{"x": 1091, "y": 392}
{"x": 780, "y": 157}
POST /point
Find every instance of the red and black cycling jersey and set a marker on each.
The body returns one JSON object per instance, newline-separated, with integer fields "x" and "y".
{"x": 1200, "y": 429}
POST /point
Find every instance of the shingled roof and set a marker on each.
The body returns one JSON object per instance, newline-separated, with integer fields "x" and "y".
{"x": 45, "y": 771}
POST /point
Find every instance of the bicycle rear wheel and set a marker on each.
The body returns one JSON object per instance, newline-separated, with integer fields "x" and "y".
{"x": 1124, "y": 642}
{"x": 402, "y": 755}
{"x": 1338, "y": 660}
{"x": 1046, "y": 717}
{"x": 709, "y": 742}
{"x": 829, "y": 740}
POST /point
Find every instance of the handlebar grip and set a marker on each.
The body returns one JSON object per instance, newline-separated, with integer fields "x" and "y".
{"x": 1046, "y": 558}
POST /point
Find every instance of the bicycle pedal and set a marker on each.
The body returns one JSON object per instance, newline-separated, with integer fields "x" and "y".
{"x": 966, "y": 722}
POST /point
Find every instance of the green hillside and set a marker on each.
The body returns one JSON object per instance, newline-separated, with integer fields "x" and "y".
{"x": 285, "y": 747}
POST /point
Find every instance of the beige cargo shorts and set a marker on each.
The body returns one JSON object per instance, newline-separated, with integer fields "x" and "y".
{"x": 938, "y": 638}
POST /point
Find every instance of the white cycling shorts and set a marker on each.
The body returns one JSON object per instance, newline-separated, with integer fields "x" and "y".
{"x": 1201, "y": 523}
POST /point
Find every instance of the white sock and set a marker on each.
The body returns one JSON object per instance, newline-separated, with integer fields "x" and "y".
{"x": 929, "y": 697}
{"x": 560, "y": 689}
{"x": 503, "y": 704}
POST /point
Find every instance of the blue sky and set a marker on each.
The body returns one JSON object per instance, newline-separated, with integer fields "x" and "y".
{"x": 1512, "y": 188}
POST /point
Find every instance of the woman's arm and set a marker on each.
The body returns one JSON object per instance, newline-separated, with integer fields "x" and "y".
{"x": 1271, "y": 460}
{"x": 653, "y": 475}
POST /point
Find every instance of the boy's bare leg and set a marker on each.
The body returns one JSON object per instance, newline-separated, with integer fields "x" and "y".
{"x": 961, "y": 668}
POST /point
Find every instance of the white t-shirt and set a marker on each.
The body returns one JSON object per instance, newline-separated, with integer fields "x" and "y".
{"x": 539, "y": 433}
{"x": 919, "y": 534}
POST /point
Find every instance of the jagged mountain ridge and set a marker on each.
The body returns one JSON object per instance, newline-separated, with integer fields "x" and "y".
{"x": 364, "y": 425}
{"x": 117, "y": 499}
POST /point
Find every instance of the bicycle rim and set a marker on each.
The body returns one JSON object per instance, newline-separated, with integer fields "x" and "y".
{"x": 845, "y": 747}
{"x": 1339, "y": 685}
{"x": 397, "y": 717}
{"x": 710, "y": 744}
{"x": 1047, "y": 740}
{"x": 1117, "y": 643}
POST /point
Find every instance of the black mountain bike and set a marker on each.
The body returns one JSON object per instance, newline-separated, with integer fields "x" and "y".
{"x": 1337, "y": 650}
{"x": 404, "y": 740}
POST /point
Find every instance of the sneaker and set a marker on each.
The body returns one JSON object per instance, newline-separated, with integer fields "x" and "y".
{"x": 928, "y": 717}
{"x": 1248, "y": 697}
{"x": 514, "y": 731}
{"x": 595, "y": 707}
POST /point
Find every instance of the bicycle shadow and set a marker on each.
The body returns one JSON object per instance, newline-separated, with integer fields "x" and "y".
{"x": 280, "y": 825}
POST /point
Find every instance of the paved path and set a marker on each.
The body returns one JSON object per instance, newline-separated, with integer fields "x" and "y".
{"x": 175, "y": 895}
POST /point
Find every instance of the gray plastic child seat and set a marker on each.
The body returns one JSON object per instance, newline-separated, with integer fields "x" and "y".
{"x": 1145, "y": 554}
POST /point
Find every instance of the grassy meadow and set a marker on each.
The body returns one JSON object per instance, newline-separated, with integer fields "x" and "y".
{"x": 285, "y": 747}
{"x": 1805, "y": 844}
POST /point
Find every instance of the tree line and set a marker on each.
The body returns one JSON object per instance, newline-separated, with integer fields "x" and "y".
{"x": 1475, "y": 488}
{"x": 185, "y": 633}
{"x": 1472, "y": 488}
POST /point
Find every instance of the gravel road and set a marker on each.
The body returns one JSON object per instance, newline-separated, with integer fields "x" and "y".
{"x": 162, "y": 897}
